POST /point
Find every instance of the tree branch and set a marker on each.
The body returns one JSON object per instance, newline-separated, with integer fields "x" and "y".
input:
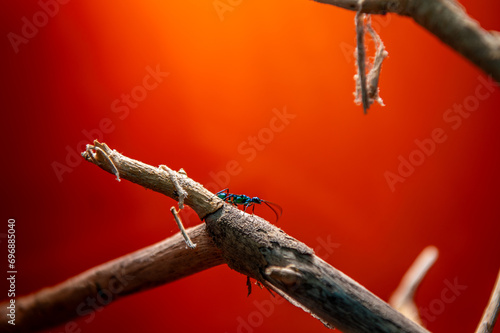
{"x": 447, "y": 20}
{"x": 247, "y": 243}
{"x": 254, "y": 247}
{"x": 490, "y": 314}
{"x": 147, "y": 268}
{"x": 158, "y": 179}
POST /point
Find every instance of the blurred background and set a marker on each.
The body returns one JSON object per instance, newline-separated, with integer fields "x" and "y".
{"x": 257, "y": 97}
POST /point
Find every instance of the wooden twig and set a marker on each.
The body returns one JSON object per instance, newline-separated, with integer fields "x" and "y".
{"x": 246, "y": 243}
{"x": 490, "y": 314}
{"x": 447, "y": 20}
{"x": 184, "y": 234}
{"x": 403, "y": 298}
{"x": 367, "y": 91}
{"x": 152, "y": 266}
{"x": 361, "y": 88}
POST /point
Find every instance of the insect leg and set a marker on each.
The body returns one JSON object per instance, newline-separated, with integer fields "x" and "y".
{"x": 272, "y": 205}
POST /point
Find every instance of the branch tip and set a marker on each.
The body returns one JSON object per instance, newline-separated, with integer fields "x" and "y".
{"x": 403, "y": 297}
{"x": 104, "y": 152}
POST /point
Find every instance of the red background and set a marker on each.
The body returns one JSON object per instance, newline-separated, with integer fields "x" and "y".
{"x": 325, "y": 168}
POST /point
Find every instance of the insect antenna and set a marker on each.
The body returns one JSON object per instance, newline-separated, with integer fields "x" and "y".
{"x": 272, "y": 205}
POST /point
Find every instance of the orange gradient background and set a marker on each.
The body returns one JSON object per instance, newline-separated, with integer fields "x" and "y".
{"x": 325, "y": 167}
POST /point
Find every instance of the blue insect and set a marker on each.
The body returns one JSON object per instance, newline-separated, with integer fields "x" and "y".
{"x": 246, "y": 201}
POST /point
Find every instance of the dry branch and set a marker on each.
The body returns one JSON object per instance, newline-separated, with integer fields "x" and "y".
{"x": 448, "y": 21}
{"x": 247, "y": 243}
{"x": 490, "y": 314}
{"x": 254, "y": 247}
{"x": 152, "y": 266}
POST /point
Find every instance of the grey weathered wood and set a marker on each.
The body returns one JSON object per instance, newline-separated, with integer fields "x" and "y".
{"x": 254, "y": 247}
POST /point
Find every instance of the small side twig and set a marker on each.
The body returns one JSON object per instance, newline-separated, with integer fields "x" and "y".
{"x": 374, "y": 74}
{"x": 403, "y": 297}
{"x": 177, "y": 219}
{"x": 360, "y": 78}
{"x": 490, "y": 314}
{"x": 367, "y": 84}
